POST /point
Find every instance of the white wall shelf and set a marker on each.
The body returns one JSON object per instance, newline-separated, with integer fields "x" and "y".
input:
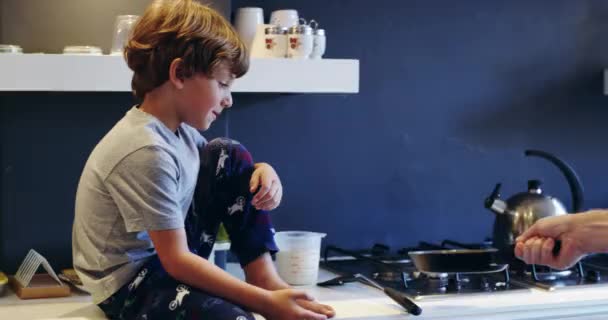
{"x": 57, "y": 72}
{"x": 606, "y": 82}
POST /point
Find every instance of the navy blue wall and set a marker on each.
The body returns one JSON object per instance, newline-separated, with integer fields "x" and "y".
{"x": 450, "y": 97}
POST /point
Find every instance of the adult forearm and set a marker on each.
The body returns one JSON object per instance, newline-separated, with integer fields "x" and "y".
{"x": 594, "y": 230}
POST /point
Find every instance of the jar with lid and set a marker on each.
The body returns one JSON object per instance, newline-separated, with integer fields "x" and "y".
{"x": 275, "y": 42}
{"x": 300, "y": 42}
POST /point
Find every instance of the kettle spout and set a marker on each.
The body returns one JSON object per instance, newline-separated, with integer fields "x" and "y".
{"x": 494, "y": 203}
{"x": 498, "y": 206}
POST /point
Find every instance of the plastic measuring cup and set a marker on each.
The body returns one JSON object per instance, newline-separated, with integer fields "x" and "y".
{"x": 298, "y": 257}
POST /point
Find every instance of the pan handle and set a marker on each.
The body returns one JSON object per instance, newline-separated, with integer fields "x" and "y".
{"x": 557, "y": 247}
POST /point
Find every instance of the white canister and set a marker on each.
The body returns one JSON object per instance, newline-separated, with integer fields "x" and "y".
{"x": 275, "y": 42}
{"x": 300, "y": 40}
{"x": 319, "y": 42}
{"x": 246, "y": 22}
{"x": 285, "y": 18}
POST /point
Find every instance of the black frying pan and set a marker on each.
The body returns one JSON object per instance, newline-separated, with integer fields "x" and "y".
{"x": 467, "y": 260}
{"x": 458, "y": 261}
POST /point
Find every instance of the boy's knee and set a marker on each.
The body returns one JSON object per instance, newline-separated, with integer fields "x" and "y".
{"x": 225, "y": 147}
{"x": 218, "y": 143}
{"x": 236, "y": 315}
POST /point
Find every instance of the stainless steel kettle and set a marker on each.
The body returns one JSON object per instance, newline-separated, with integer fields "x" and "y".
{"x": 519, "y": 212}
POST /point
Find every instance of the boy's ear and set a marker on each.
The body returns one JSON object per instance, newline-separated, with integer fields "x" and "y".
{"x": 176, "y": 73}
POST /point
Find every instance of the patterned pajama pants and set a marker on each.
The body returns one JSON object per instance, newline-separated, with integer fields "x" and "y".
{"x": 222, "y": 196}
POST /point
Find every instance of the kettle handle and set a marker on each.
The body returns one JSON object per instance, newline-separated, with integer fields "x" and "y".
{"x": 574, "y": 182}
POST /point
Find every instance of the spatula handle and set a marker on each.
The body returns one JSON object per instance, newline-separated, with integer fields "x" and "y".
{"x": 404, "y": 301}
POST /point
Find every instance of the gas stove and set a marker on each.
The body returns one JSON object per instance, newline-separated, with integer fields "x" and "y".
{"x": 394, "y": 269}
{"x": 591, "y": 271}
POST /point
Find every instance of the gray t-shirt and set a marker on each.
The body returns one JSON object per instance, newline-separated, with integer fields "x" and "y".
{"x": 141, "y": 176}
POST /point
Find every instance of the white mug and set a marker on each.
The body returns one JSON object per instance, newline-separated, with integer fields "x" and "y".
{"x": 246, "y": 22}
{"x": 285, "y": 18}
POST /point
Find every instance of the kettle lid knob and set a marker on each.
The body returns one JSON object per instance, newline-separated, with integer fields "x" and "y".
{"x": 534, "y": 186}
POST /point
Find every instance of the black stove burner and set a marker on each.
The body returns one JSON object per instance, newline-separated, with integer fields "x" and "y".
{"x": 589, "y": 271}
{"x": 549, "y": 275}
{"x": 433, "y": 276}
{"x": 437, "y": 282}
{"x": 390, "y": 276}
{"x": 593, "y": 276}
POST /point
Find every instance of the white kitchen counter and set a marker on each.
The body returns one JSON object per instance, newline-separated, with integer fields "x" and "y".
{"x": 358, "y": 301}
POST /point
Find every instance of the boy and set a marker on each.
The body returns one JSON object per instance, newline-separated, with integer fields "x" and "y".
{"x": 153, "y": 193}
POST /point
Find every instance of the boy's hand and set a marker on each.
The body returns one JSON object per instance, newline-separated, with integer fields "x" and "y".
{"x": 285, "y": 304}
{"x": 314, "y": 306}
{"x": 270, "y": 192}
{"x": 262, "y": 273}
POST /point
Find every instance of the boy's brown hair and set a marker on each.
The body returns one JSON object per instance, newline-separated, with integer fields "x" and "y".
{"x": 185, "y": 29}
